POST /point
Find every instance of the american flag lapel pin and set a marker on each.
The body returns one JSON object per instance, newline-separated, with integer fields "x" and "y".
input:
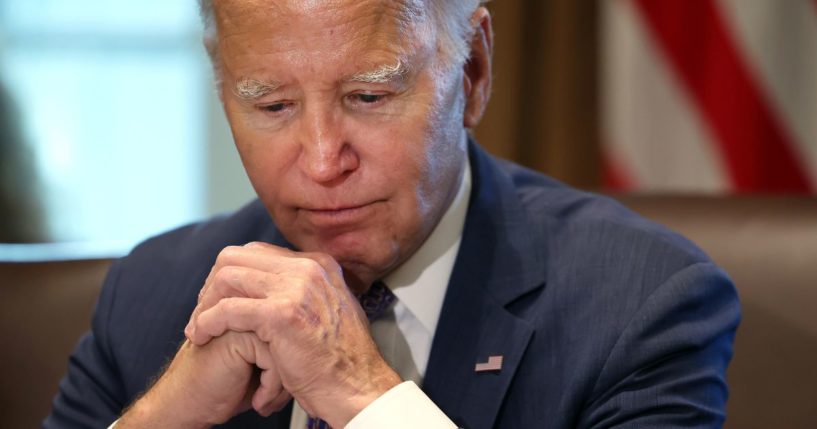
{"x": 494, "y": 364}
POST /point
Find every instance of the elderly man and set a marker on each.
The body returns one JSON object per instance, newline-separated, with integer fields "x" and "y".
{"x": 511, "y": 300}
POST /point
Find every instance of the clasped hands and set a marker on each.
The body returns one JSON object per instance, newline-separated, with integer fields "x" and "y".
{"x": 271, "y": 324}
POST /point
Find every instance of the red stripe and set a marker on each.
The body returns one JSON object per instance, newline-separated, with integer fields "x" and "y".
{"x": 755, "y": 146}
{"x": 615, "y": 176}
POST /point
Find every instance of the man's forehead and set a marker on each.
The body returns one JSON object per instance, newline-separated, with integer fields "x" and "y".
{"x": 361, "y": 44}
{"x": 404, "y": 11}
{"x": 246, "y": 26}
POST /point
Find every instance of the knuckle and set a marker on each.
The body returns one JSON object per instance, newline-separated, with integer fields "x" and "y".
{"x": 287, "y": 310}
{"x": 227, "y": 276}
{"x": 327, "y": 263}
{"x": 311, "y": 270}
{"x": 309, "y": 265}
{"x": 227, "y": 306}
{"x": 290, "y": 312}
{"x": 323, "y": 259}
{"x": 300, "y": 286}
{"x": 261, "y": 284}
{"x": 228, "y": 255}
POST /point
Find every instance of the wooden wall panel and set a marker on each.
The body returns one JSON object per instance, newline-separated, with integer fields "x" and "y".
{"x": 543, "y": 111}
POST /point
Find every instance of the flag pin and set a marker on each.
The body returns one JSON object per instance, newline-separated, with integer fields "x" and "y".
{"x": 494, "y": 364}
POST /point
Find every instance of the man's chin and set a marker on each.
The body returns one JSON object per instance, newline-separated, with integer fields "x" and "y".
{"x": 358, "y": 277}
{"x": 361, "y": 270}
{"x": 355, "y": 252}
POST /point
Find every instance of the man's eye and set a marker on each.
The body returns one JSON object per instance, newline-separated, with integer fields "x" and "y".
{"x": 368, "y": 98}
{"x": 274, "y": 108}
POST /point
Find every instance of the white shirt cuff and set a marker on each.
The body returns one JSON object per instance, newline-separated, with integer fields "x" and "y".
{"x": 404, "y": 406}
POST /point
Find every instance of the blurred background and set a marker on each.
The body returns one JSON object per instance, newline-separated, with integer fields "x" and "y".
{"x": 110, "y": 130}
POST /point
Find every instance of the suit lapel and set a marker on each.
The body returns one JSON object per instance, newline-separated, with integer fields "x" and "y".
{"x": 498, "y": 263}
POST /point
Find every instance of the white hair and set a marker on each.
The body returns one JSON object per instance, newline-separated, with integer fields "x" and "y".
{"x": 451, "y": 18}
{"x": 455, "y": 30}
{"x": 384, "y": 73}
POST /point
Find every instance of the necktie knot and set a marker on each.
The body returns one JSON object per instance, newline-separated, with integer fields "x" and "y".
{"x": 376, "y": 301}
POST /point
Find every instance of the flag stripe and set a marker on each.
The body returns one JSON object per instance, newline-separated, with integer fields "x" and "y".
{"x": 779, "y": 41}
{"x": 615, "y": 177}
{"x": 655, "y": 135}
{"x": 756, "y": 148}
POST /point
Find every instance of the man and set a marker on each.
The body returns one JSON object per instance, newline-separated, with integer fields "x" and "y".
{"x": 519, "y": 301}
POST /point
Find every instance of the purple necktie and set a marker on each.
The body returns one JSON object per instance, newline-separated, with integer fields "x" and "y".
{"x": 375, "y": 302}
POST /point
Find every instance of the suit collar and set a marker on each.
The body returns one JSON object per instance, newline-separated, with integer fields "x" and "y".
{"x": 420, "y": 282}
{"x": 500, "y": 260}
{"x": 498, "y": 221}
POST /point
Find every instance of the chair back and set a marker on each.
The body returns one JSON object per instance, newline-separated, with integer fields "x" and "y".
{"x": 768, "y": 245}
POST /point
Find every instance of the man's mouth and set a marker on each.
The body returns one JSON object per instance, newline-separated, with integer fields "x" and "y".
{"x": 339, "y": 216}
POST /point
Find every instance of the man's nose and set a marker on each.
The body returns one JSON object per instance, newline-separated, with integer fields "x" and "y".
{"x": 326, "y": 154}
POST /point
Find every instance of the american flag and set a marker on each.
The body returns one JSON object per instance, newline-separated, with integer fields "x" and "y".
{"x": 711, "y": 96}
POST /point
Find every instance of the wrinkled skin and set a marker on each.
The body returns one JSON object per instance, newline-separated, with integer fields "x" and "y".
{"x": 359, "y": 171}
{"x": 355, "y": 171}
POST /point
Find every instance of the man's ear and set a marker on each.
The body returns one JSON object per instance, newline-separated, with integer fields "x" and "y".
{"x": 477, "y": 69}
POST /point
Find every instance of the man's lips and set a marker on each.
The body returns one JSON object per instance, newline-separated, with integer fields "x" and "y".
{"x": 340, "y": 216}
{"x": 335, "y": 209}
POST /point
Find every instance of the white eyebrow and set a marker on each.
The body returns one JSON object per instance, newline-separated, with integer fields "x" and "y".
{"x": 253, "y": 89}
{"x": 383, "y": 74}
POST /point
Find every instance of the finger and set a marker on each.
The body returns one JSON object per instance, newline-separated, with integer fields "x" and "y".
{"x": 268, "y": 246}
{"x": 262, "y": 317}
{"x": 326, "y": 261}
{"x": 264, "y": 250}
{"x": 340, "y": 295}
{"x": 239, "y": 282}
{"x": 228, "y": 256}
{"x": 188, "y": 329}
{"x": 277, "y": 404}
{"x": 263, "y": 256}
{"x": 253, "y": 272}
{"x": 321, "y": 268}
{"x": 229, "y": 314}
{"x": 307, "y": 280}
{"x": 270, "y": 395}
{"x": 299, "y": 276}
{"x": 194, "y": 314}
{"x": 236, "y": 281}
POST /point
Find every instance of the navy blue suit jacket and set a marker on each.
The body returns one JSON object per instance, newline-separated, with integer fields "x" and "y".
{"x": 604, "y": 319}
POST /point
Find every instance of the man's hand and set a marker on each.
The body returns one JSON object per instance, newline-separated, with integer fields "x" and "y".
{"x": 206, "y": 385}
{"x": 316, "y": 332}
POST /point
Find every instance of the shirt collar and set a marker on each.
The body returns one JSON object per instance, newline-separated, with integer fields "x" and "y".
{"x": 420, "y": 283}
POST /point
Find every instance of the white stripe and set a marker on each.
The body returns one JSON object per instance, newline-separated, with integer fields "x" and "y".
{"x": 779, "y": 41}
{"x": 650, "y": 123}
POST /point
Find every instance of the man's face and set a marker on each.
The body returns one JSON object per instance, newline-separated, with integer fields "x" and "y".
{"x": 349, "y": 130}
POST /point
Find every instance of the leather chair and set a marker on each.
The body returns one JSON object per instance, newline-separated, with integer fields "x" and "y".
{"x": 767, "y": 244}
{"x": 44, "y": 308}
